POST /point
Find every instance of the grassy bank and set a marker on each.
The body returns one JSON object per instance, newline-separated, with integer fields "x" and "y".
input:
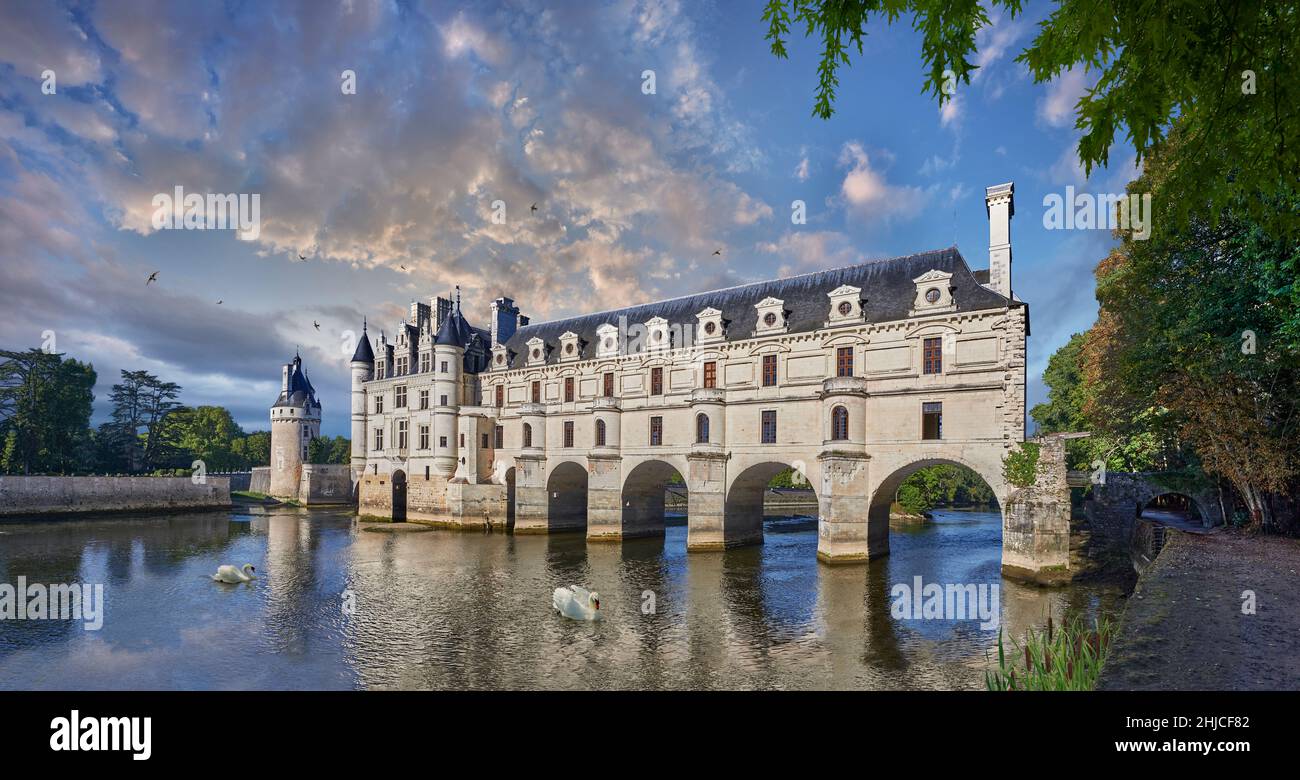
{"x": 1065, "y": 659}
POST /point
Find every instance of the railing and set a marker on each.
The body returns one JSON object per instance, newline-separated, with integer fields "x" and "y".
{"x": 708, "y": 395}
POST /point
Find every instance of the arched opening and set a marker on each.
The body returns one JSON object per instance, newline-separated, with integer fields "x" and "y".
{"x": 528, "y": 435}
{"x": 600, "y": 433}
{"x": 399, "y": 496}
{"x": 1172, "y": 509}
{"x": 510, "y": 499}
{"x": 566, "y": 498}
{"x": 701, "y": 428}
{"x": 651, "y": 490}
{"x": 840, "y": 423}
{"x": 930, "y": 495}
{"x": 767, "y": 491}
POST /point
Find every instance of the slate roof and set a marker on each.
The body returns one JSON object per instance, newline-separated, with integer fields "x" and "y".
{"x": 887, "y": 292}
{"x": 364, "y": 353}
{"x": 300, "y": 393}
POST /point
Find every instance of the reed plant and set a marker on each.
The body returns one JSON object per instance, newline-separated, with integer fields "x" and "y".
{"x": 1068, "y": 658}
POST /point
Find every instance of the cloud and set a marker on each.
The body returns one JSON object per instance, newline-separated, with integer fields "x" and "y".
{"x": 804, "y": 251}
{"x": 1057, "y": 107}
{"x": 865, "y": 192}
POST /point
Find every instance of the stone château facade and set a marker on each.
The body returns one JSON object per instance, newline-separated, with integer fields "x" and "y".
{"x": 854, "y": 377}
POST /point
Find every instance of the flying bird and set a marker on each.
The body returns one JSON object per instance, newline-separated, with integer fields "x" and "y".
{"x": 402, "y": 267}
{"x": 717, "y": 252}
{"x": 219, "y": 302}
{"x": 301, "y": 256}
{"x": 153, "y": 277}
{"x": 317, "y": 324}
{"x": 533, "y": 208}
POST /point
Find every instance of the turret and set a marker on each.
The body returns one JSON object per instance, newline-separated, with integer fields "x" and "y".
{"x": 448, "y": 360}
{"x": 363, "y": 370}
{"x": 295, "y": 421}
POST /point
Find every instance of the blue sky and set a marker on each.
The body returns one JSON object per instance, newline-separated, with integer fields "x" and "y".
{"x": 388, "y": 192}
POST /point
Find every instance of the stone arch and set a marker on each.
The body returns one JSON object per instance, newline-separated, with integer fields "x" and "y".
{"x": 884, "y": 490}
{"x": 747, "y": 480}
{"x": 1156, "y": 495}
{"x": 399, "y": 496}
{"x": 643, "y": 497}
{"x": 566, "y": 497}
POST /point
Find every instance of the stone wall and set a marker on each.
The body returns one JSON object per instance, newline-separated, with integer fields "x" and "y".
{"x": 260, "y": 480}
{"x": 21, "y": 496}
{"x": 1036, "y": 519}
{"x": 325, "y": 484}
{"x": 239, "y": 480}
{"x": 375, "y": 495}
{"x": 1112, "y": 509}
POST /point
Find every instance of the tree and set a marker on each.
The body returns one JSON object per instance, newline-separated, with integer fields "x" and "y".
{"x": 45, "y": 407}
{"x": 253, "y": 449}
{"x": 1225, "y": 71}
{"x": 205, "y": 433}
{"x": 141, "y": 400}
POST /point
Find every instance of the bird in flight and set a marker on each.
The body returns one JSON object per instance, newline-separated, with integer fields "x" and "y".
{"x": 153, "y": 277}
{"x": 717, "y": 252}
{"x": 219, "y": 302}
{"x": 533, "y": 208}
{"x": 301, "y": 256}
{"x": 317, "y": 324}
{"x": 402, "y": 267}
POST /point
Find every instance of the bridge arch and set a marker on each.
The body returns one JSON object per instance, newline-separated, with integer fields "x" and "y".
{"x": 643, "y": 496}
{"x": 748, "y": 478}
{"x": 566, "y": 496}
{"x": 884, "y": 491}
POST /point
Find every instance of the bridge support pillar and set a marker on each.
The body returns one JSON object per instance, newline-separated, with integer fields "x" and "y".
{"x": 604, "y": 506}
{"x": 845, "y": 533}
{"x": 1036, "y": 520}
{"x": 532, "y": 507}
{"x": 706, "y": 501}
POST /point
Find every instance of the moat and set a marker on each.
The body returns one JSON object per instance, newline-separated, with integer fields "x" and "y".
{"x": 448, "y": 610}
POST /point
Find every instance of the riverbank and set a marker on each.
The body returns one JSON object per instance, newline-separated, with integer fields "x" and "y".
{"x": 1184, "y": 627}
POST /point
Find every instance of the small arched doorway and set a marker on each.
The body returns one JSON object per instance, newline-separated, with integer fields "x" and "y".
{"x": 510, "y": 499}
{"x": 399, "y": 496}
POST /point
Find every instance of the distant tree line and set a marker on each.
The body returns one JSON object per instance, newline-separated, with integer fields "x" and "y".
{"x": 46, "y": 402}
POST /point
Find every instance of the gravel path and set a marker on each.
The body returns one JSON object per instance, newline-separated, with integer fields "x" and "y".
{"x": 1184, "y": 628}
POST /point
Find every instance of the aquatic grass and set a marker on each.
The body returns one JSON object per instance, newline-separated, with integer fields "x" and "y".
{"x": 1069, "y": 659}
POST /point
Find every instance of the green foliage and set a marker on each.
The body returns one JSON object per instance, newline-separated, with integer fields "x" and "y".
{"x": 205, "y": 433}
{"x": 253, "y": 449}
{"x": 1020, "y": 467}
{"x": 323, "y": 449}
{"x": 789, "y": 478}
{"x": 45, "y": 406}
{"x": 141, "y": 404}
{"x": 943, "y": 485}
{"x": 1066, "y": 660}
{"x": 1156, "y": 63}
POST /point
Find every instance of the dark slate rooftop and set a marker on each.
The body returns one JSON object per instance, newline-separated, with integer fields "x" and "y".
{"x": 887, "y": 293}
{"x": 300, "y": 392}
{"x": 364, "y": 353}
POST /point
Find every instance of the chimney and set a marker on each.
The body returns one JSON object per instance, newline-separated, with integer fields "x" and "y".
{"x": 505, "y": 320}
{"x": 1000, "y": 203}
{"x": 441, "y": 307}
{"x": 284, "y": 377}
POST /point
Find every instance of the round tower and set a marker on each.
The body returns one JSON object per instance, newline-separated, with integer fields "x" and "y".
{"x": 295, "y": 421}
{"x": 363, "y": 370}
{"x": 448, "y": 361}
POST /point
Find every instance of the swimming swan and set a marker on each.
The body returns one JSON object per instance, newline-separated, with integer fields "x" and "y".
{"x": 228, "y": 573}
{"x": 577, "y": 603}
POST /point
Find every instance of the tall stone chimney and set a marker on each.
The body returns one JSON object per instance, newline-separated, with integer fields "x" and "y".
{"x": 1000, "y": 203}
{"x": 505, "y": 318}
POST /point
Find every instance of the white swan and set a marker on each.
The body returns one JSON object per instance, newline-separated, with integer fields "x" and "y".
{"x": 228, "y": 573}
{"x": 577, "y": 603}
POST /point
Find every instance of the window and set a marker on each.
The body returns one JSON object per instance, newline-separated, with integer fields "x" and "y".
{"x": 600, "y": 433}
{"x": 710, "y": 374}
{"x": 656, "y": 431}
{"x": 932, "y": 295}
{"x": 425, "y": 360}
{"x": 484, "y": 445}
{"x": 656, "y": 381}
{"x": 399, "y": 397}
{"x": 702, "y": 429}
{"x": 401, "y": 434}
{"x": 528, "y": 435}
{"x": 462, "y": 440}
{"x": 501, "y": 396}
{"x": 568, "y": 433}
{"x": 568, "y": 389}
{"x": 840, "y": 423}
{"x": 442, "y": 400}
{"x": 932, "y": 356}
{"x": 442, "y": 442}
{"x": 844, "y": 361}
{"x": 537, "y": 392}
{"x": 379, "y": 438}
{"x": 500, "y": 433}
{"x": 442, "y": 367}
{"x": 609, "y": 384}
{"x": 424, "y": 437}
{"x": 932, "y": 420}
{"x": 769, "y": 427}
{"x": 769, "y": 370}
{"x": 379, "y": 370}
{"x": 401, "y": 367}
{"x": 424, "y": 399}
{"x": 379, "y": 404}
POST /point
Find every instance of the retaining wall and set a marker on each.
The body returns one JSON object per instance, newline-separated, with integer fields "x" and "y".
{"x": 21, "y": 496}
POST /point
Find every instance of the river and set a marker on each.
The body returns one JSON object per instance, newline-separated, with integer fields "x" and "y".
{"x": 339, "y": 606}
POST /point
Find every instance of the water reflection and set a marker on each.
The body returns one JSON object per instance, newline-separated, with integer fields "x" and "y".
{"x": 439, "y": 609}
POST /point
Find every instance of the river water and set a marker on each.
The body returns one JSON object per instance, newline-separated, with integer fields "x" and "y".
{"x": 340, "y": 606}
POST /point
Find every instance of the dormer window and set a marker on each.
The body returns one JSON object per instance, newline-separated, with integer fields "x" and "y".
{"x": 536, "y": 351}
{"x": 771, "y": 316}
{"x": 606, "y": 341}
{"x": 570, "y": 346}
{"x": 709, "y": 327}
{"x": 933, "y": 293}
{"x": 846, "y": 305}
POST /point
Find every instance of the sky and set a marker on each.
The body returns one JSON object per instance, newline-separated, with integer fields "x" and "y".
{"x": 375, "y": 198}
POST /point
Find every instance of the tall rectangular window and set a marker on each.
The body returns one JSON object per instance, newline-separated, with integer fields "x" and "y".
{"x": 656, "y": 381}
{"x": 442, "y": 367}
{"x": 710, "y": 374}
{"x": 379, "y": 438}
{"x": 568, "y": 433}
{"x": 501, "y": 396}
{"x": 656, "y": 431}
{"x": 932, "y": 356}
{"x": 844, "y": 361}
{"x": 442, "y": 442}
{"x": 401, "y": 434}
{"x": 379, "y": 404}
{"x": 932, "y": 420}
{"x": 537, "y": 392}
{"x": 769, "y": 426}
{"x": 425, "y": 360}
{"x": 442, "y": 400}
{"x": 399, "y": 397}
{"x": 609, "y": 384}
{"x": 424, "y": 437}
{"x": 568, "y": 389}
{"x": 769, "y": 370}
{"x": 484, "y": 445}
{"x": 500, "y": 433}
{"x": 424, "y": 399}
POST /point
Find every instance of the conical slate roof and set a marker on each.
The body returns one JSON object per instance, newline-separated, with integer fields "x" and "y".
{"x": 300, "y": 393}
{"x": 364, "y": 353}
